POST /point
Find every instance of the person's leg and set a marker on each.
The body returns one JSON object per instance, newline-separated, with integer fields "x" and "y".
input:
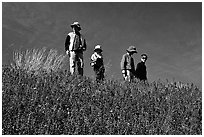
{"x": 128, "y": 78}
{"x": 80, "y": 64}
{"x": 124, "y": 76}
{"x": 102, "y": 76}
{"x": 131, "y": 76}
{"x": 102, "y": 71}
{"x": 72, "y": 62}
{"x": 124, "y": 73}
{"x": 96, "y": 74}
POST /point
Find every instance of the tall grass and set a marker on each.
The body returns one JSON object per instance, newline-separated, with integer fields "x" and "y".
{"x": 37, "y": 60}
{"x": 59, "y": 103}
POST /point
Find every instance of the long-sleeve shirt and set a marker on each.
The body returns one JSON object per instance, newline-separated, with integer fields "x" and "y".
{"x": 141, "y": 72}
{"x": 75, "y": 42}
{"x": 127, "y": 63}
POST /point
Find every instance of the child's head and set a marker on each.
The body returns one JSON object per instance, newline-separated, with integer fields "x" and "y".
{"x": 98, "y": 49}
{"x": 144, "y": 57}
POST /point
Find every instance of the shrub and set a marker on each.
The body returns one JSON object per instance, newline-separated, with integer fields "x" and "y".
{"x": 37, "y": 60}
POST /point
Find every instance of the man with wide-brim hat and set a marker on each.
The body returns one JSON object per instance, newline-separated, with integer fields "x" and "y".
{"x": 75, "y": 45}
{"x": 127, "y": 64}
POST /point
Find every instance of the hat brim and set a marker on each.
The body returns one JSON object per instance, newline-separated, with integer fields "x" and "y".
{"x": 72, "y": 25}
{"x": 98, "y": 49}
{"x": 144, "y": 55}
{"x": 133, "y": 51}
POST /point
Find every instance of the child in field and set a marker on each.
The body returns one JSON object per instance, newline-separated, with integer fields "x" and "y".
{"x": 97, "y": 63}
{"x": 141, "y": 71}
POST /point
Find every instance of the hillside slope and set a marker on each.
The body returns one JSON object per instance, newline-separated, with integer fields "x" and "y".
{"x": 58, "y": 103}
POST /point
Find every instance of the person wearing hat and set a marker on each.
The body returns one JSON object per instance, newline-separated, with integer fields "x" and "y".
{"x": 97, "y": 63}
{"x": 75, "y": 45}
{"x": 141, "y": 72}
{"x": 127, "y": 64}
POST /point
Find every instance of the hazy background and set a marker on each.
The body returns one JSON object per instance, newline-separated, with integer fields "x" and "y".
{"x": 170, "y": 33}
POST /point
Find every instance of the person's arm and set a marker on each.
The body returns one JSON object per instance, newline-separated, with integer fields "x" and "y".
{"x": 145, "y": 73}
{"x": 123, "y": 64}
{"x": 67, "y": 43}
{"x": 93, "y": 60}
{"x": 133, "y": 66}
{"x": 84, "y": 45}
{"x": 137, "y": 70}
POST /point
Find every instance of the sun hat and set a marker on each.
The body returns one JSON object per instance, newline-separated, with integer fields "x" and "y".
{"x": 76, "y": 24}
{"x": 97, "y": 47}
{"x": 132, "y": 49}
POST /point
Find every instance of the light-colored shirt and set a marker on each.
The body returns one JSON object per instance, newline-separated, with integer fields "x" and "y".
{"x": 95, "y": 56}
{"x": 127, "y": 62}
{"x": 97, "y": 59}
{"x": 76, "y": 42}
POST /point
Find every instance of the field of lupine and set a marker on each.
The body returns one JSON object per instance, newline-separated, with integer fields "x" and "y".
{"x": 58, "y": 103}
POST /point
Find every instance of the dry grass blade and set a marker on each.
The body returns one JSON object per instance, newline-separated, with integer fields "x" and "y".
{"x": 36, "y": 60}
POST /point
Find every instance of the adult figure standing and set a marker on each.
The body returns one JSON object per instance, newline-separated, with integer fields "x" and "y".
{"x": 75, "y": 45}
{"x": 127, "y": 64}
{"x": 141, "y": 71}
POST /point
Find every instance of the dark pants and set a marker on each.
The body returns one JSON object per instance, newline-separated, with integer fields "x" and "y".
{"x": 99, "y": 72}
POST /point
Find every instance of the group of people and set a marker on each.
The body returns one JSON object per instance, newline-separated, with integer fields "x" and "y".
{"x": 128, "y": 67}
{"x": 75, "y": 45}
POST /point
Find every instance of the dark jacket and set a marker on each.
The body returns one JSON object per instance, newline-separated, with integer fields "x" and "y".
{"x": 141, "y": 72}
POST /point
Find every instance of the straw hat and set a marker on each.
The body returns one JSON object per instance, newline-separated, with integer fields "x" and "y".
{"x": 97, "y": 47}
{"x": 132, "y": 49}
{"x": 76, "y": 24}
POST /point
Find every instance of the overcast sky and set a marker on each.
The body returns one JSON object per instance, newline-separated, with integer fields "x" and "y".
{"x": 170, "y": 33}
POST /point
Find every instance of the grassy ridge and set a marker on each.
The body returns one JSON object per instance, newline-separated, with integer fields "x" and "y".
{"x": 58, "y": 103}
